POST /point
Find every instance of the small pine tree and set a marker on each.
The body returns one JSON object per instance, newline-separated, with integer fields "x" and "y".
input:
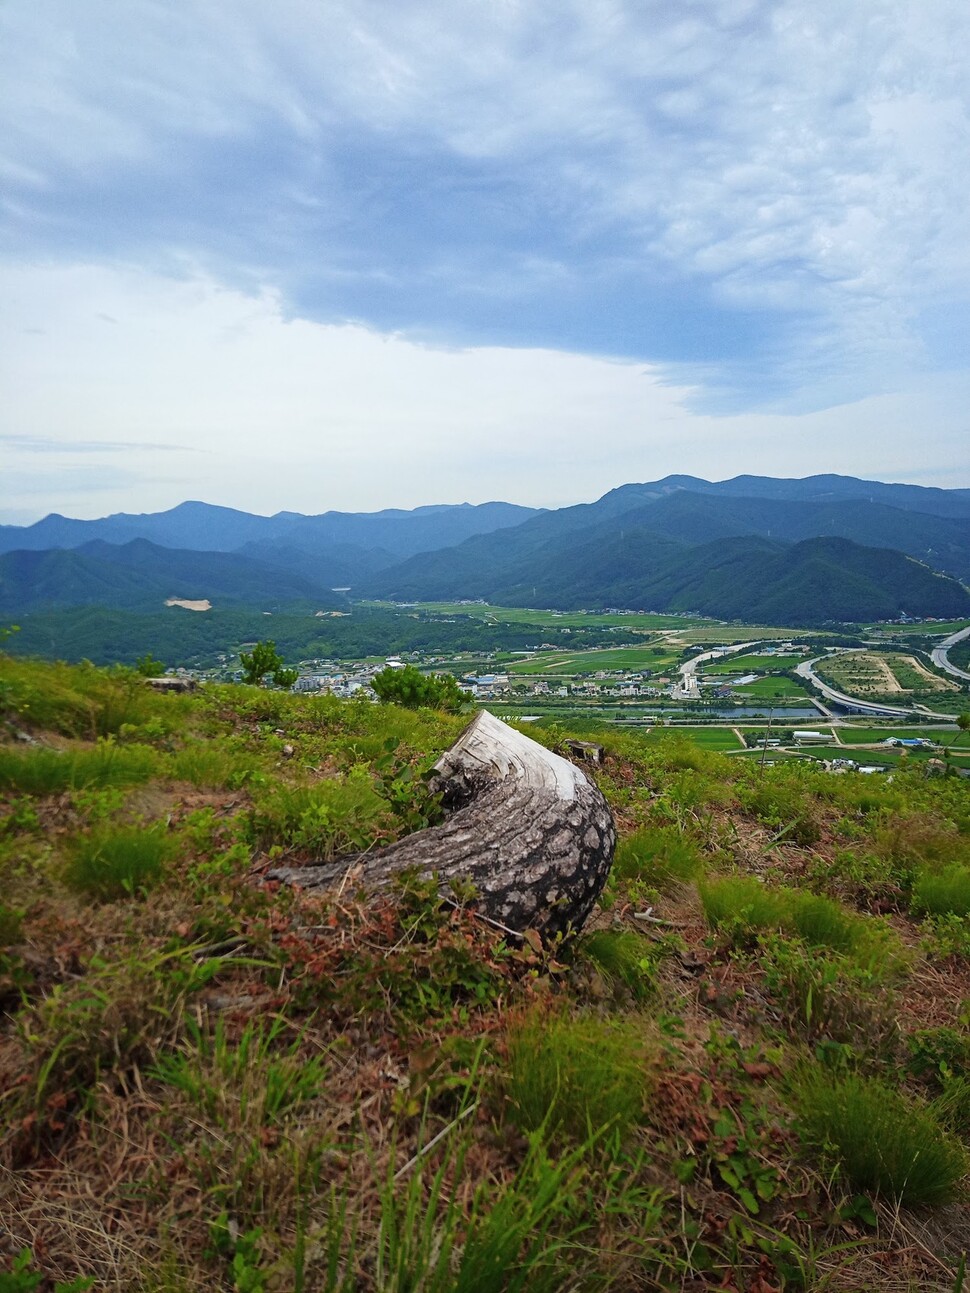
{"x": 412, "y": 688}
{"x": 265, "y": 659}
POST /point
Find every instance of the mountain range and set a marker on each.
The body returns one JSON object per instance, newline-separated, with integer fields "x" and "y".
{"x": 807, "y": 551}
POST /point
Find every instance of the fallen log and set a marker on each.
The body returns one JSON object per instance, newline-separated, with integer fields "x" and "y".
{"x": 527, "y": 833}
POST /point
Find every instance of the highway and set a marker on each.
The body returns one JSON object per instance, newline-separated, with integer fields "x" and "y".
{"x": 941, "y": 659}
{"x": 806, "y": 671}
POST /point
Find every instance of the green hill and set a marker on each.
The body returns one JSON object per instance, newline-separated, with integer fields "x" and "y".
{"x": 749, "y": 1071}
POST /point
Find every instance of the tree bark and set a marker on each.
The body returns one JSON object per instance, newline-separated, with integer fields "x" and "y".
{"x": 527, "y": 832}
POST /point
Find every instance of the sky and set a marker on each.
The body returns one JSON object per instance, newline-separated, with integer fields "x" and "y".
{"x": 383, "y": 253}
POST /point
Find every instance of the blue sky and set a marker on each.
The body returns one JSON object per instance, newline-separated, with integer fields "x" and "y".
{"x": 382, "y": 253}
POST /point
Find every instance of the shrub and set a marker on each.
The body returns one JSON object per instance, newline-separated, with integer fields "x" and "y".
{"x": 343, "y": 815}
{"x": 576, "y": 1076}
{"x": 883, "y": 1140}
{"x": 115, "y": 862}
{"x": 412, "y": 689}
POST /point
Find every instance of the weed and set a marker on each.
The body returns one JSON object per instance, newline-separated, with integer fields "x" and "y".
{"x": 21, "y": 818}
{"x": 115, "y": 862}
{"x": 20, "y": 1278}
{"x": 253, "y": 1079}
{"x": 737, "y": 1147}
{"x": 525, "y": 1239}
{"x": 11, "y": 925}
{"x": 939, "y": 1053}
{"x": 782, "y": 804}
{"x": 577, "y": 1076}
{"x": 824, "y": 995}
{"x": 883, "y": 1141}
{"x": 118, "y": 1014}
{"x": 947, "y": 935}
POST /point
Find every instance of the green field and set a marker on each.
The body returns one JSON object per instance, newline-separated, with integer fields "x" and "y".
{"x": 560, "y": 619}
{"x": 869, "y": 735}
{"x": 750, "y": 663}
{"x": 728, "y": 633}
{"x": 782, "y": 687}
{"x": 627, "y": 659}
{"x": 921, "y": 630}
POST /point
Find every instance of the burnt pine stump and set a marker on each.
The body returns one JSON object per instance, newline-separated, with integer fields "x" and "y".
{"x": 526, "y": 832}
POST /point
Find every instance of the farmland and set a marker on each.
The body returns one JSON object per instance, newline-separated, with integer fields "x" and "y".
{"x": 630, "y": 659}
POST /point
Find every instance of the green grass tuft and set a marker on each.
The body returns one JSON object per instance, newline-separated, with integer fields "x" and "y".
{"x": 115, "y": 862}
{"x": 577, "y": 1076}
{"x": 658, "y": 856}
{"x": 51, "y": 772}
{"x": 943, "y": 893}
{"x": 621, "y": 956}
{"x": 883, "y": 1141}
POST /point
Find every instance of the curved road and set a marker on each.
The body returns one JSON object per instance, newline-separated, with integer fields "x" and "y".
{"x": 687, "y": 688}
{"x": 806, "y": 671}
{"x": 941, "y": 659}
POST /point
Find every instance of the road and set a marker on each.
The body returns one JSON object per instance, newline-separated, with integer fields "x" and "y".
{"x": 806, "y": 671}
{"x": 687, "y": 688}
{"x": 941, "y": 659}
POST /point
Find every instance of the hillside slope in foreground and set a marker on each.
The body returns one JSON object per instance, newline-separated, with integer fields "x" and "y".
{"x": 751, "y": 1070}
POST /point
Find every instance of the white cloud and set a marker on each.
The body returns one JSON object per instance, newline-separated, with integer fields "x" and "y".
{"x": 291, "y": 414}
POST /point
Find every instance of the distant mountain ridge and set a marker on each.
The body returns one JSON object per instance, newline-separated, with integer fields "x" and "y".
{"x": 210, "y": 528}
{"x": 823, "y": 548}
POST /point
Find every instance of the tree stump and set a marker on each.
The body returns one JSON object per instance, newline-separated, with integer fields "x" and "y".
{"x": 527, "y": 833}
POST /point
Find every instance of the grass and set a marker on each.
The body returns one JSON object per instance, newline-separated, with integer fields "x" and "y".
{"x": 743, "y": 907}
{"x": 213, "y": 1082}
{"x": 42, "y": 771}
{"x": 655, "y": 659}
{"x": 622, "y": 957}
{"x": 579, "y": 1077}
{"x": 942, "y": 893}
{"x": 781, "y": 687}
{"x": 658, "y": 857}
{"x": 742, "y": 664}
{"x": 881, "y": 1140}
{"x": 562, "y": 619}
{"x": 329, "y": 818}
{"x": 118, "y": 862}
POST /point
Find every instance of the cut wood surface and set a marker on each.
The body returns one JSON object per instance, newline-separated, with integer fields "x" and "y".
{"x": 527, "y": 832}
